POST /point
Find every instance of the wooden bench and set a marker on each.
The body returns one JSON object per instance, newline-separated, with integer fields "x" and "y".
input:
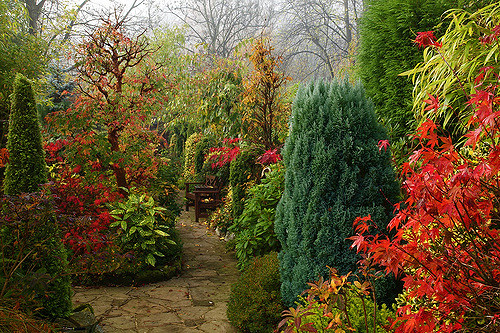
{"x": 203, "y": 196}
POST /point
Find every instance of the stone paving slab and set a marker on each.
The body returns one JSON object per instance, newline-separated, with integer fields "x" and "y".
{"x": 194, "y": 302}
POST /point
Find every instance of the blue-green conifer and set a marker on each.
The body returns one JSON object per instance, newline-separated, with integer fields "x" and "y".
{"x": 334, "y": 173}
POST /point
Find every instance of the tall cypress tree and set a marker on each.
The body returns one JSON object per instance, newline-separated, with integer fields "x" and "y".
{"x": 334, "y": 173}
{"x": 24, "y": 173}
{"x": 26, "y": 169}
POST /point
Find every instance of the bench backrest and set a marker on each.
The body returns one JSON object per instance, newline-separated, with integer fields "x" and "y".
{"x": 211, "y": 181}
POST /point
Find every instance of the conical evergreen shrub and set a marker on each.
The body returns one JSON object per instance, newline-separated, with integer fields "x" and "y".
{"x": 26, "y": 169}
{"x": 24, "y": 174}
{"x": 334, "y": 173}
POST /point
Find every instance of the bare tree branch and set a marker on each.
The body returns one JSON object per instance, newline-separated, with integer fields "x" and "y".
{"x": 221, "y": 24}
{"x": 319, "y": 32}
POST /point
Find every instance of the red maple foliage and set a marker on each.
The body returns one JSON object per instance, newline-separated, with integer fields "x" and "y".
{"x": 82, "y": 211}
{"x": 221, "y": 156}
{"x": 4, "y": 157}
{"x": 427, "y": 38}
{"x": 446, "y": 240}
{"x": 490, "y": 38}
{"x": 270, "y": 157}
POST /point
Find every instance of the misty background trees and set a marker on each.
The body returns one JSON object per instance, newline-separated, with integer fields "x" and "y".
{"x": 211, "y": 39}
{"x": 314, "y": 38}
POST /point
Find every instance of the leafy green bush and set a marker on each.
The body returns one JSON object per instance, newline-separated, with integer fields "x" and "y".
{"x": 254, "y": 229}
{"x": 165, "y": 187}
{"x": 254, "y": 304}
{"x": 242, "y": 171}
{"x": 141, "y": 229}
{"x": 334, "y": 172}
{"x": 26, "y": 169}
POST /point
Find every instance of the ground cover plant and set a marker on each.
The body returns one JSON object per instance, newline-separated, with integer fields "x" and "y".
{"x": 337, "y": 304}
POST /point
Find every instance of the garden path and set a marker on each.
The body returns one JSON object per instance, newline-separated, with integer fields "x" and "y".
{"x": 194, "y": 302}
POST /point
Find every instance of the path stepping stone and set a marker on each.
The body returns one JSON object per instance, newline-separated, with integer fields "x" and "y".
{"x": 194, "y": 302}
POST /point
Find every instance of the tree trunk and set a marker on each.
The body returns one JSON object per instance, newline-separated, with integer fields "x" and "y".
{"x": 34, "y": 10}
{"x": 348, "y": 33}
{"x": 121, "y": 180}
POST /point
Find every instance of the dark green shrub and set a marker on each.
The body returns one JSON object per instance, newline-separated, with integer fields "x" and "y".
{"x": 34, "y": 266}
{"x": 26, "y": 169}
{"x": 242, "y": 171}
{"x": 254, "y": 229}
{"x": 201, "y": 150}
{"x": 334, "y": 173}
{"x": 255, "y": 305}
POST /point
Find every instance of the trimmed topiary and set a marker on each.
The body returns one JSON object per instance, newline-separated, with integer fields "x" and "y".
{"x": 255, "y": 304}
{"x": 24, "y": 173}
{"x": 189, "y": 174}
{"x": 26, "y": 169}
{"x": 334, "y": 173}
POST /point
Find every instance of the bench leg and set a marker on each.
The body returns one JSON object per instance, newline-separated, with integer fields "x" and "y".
{"x": 196, "y": 208}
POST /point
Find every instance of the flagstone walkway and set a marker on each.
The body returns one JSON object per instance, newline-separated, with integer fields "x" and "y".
{"x": 195, "y": 301}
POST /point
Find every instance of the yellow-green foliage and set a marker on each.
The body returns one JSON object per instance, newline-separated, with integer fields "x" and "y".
{"x": 189, "y": 174}
{"x": 24, "y": 174}
{"x": 450, "y": 70}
